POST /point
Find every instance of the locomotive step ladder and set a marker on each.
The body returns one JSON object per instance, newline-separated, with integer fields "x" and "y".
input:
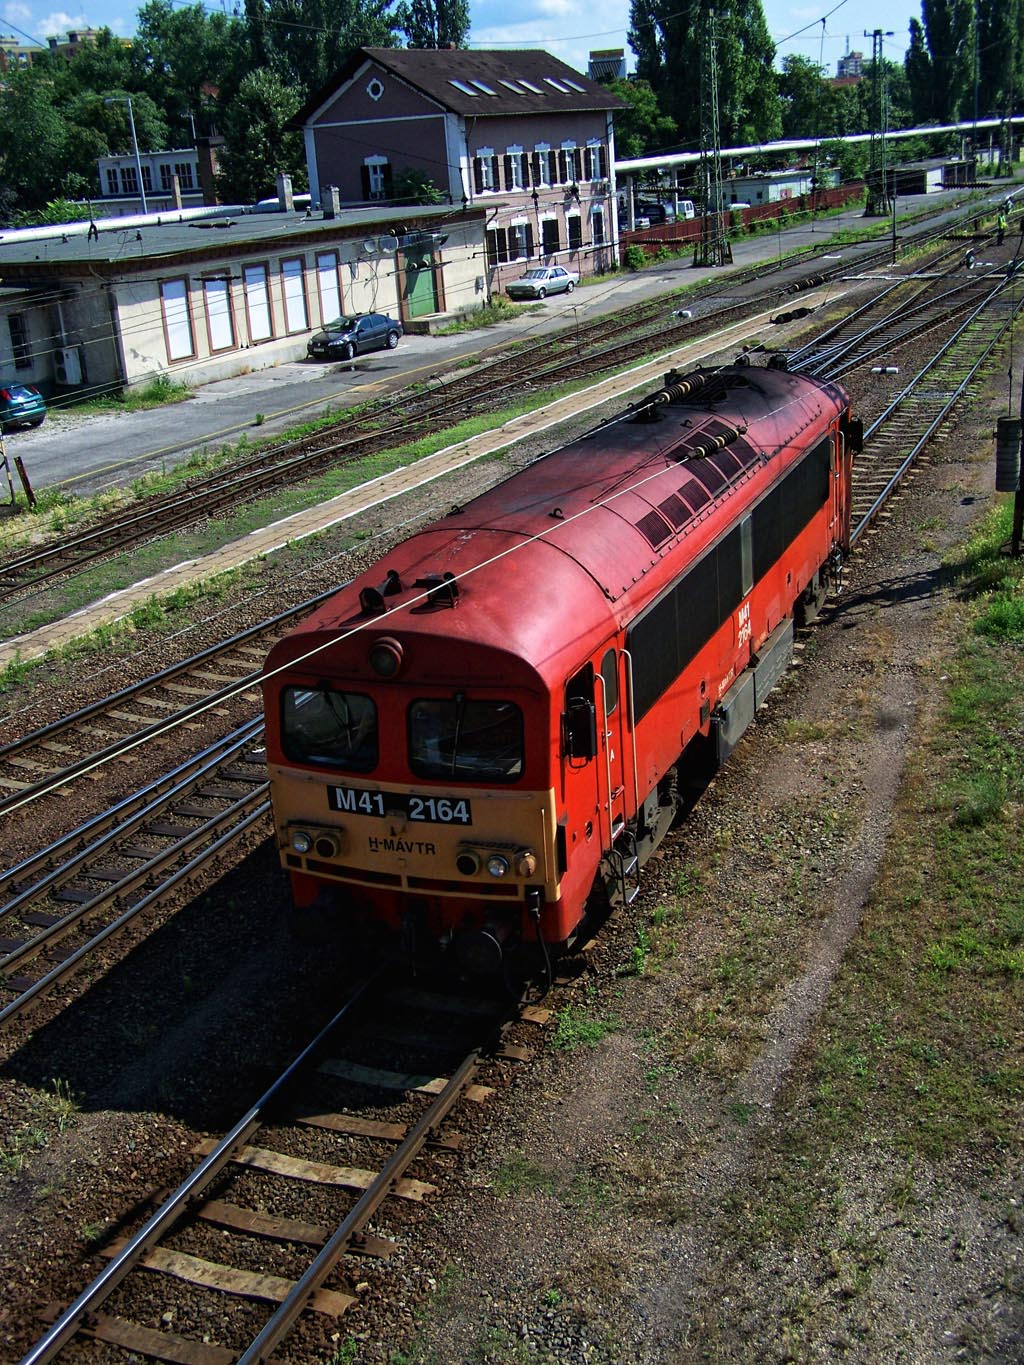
{"x": 624, "y": 861}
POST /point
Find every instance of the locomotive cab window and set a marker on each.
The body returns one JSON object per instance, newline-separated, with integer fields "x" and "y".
{"x": 610, "y": 676}
{"x": 472, "y": 740}
{"x": 334, "y": 729}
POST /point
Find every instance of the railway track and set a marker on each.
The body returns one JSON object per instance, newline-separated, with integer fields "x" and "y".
{"x": 895, "y": 440}
{"x": 593, "y": 347}
{"x": 352, "y": 1127}
{"x": 60, "y": 905}
{"x": 118, "y": 726}
{"x": 100, "y": 867}
{"x": 210, "y": 1240}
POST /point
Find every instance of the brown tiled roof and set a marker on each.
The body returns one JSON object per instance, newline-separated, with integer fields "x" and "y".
{"x": 552, "y": 85}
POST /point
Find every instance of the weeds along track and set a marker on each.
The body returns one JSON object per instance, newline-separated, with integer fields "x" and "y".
{"x": 587, "y": 350}
{"x": 293, "y": 1214}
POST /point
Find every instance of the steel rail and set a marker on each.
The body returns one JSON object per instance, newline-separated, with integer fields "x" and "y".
{"x": 284, "y": 1317}
{"x": 907, "y": 393}
{"x": 68, "y": 1324}
{"x": 59, "y": 776}
{"x": 70, "y": 965}
{"x": 169, "y": 786}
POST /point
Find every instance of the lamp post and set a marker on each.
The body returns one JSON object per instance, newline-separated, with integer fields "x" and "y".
{"x": 126, "y": 99}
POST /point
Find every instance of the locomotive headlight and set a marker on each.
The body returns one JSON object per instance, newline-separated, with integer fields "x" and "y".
{"x": 468, "y": 862}
{"x": 386, "y": 657}
{"x": 327, "y": 844}
{"x": 300, "y": 841}
{"x": 497, "y": 865}
{"x": 526, "y": 863}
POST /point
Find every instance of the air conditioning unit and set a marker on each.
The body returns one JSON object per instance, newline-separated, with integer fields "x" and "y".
{"x": 67, "y": 363}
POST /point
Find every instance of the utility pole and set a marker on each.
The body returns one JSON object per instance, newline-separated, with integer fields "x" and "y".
{"x": 878, "y": 205}
{"x": 713, "y": 247}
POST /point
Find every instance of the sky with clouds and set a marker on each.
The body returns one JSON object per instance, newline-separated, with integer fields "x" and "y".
{"x": 567, "y": 28}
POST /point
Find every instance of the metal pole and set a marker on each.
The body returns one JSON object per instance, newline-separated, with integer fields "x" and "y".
{"x": 1018, "y": 497}
{"x": 138, "y": 159}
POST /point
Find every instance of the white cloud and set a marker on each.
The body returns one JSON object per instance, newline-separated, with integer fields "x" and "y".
{"x": 59, "y": 21}
{"x": 565, "y": 28}
{"x": 16, "y": 13}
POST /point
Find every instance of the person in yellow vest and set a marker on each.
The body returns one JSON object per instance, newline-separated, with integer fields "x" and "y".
{"x": 1000, "y": 229}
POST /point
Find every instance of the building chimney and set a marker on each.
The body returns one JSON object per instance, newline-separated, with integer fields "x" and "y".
{"x": 332, "y": 202}
{"x": 285, "y": 201}
{"x": 209, "y": 167}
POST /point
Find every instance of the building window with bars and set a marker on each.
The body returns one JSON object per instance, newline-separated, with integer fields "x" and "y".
{"x": 21, "y": 349}
{"x": 574, "y": 227}
{"x": 185, "y": 174}
{"x": 550, "y": 238}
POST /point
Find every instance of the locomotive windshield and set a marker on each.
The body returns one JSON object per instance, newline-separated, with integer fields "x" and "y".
{"x": 478, "y": 741}
{"x": 336, "y": 729}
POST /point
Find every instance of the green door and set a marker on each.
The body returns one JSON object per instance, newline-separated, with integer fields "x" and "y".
{"x": 420, "y": 292}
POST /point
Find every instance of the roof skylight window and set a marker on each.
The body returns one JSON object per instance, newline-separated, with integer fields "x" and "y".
{"x": 481, "y": 85}
{"x": 510, "y": 85}
{"x": 562, "y": 89}
{"x": 574, "y": 85}
{"x": 530, "y": 86}
{"x": 466, "y": 89}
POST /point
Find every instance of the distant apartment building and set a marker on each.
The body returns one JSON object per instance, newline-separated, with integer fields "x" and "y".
{"x": 608, "y": 64}
{"x": 852, "y": 65}
{"x": 14, "y": 53}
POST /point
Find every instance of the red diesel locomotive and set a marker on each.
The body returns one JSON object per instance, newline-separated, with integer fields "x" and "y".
{"x": 481, "y": 736}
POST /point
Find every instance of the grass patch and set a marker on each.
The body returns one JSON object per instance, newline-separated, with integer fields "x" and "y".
{"x": 576, "y": 1028}
{"x": 500, "y": 309}
{"x": 921, "y": 1049}
{"x": 518, "y": 1175}
{"x": 52, "y": 1112}
{"x": 158, "y": 393}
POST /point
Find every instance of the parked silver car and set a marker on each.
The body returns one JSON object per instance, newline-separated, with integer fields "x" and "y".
{"x": 541, "y": 281}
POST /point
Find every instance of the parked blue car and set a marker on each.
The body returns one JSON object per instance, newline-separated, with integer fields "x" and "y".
{"x": 21, "y": 405}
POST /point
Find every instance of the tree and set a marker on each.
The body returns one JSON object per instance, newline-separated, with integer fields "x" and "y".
{"x": 642, "y": 128}
{"x": 671, "y": 44}
{"x": 434, "y": 23}
{"x": 1000, "y": 55}
{"x": 258, "y": 143}
{"x": 939, "y": 65}
{"x": 312, "y": 39}
{"x": 805, "y": 97}
{"x": 412, "y": 186}
{"x": 187, "y": 59}
{"x": 34, "y": 154}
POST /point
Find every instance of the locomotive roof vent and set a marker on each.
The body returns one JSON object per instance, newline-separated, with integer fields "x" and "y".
{"x": 442, "y": 591}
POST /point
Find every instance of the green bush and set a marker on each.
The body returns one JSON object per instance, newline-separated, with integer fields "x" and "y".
{"x": 636, "y": 257}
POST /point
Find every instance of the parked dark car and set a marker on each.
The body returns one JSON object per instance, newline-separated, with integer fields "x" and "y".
{"x": 21, "y": 405}
{"x": 345, "y": 337}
